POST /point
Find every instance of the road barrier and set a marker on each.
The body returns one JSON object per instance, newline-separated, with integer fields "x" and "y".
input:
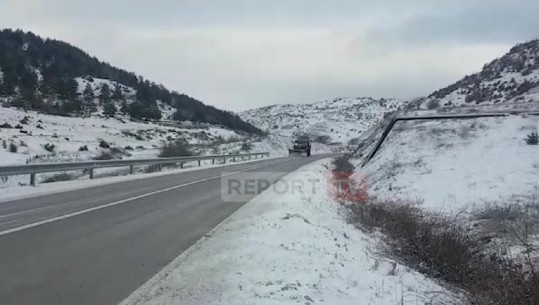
{"x": 90, "y": 166}
{"x": 398, "y": 117}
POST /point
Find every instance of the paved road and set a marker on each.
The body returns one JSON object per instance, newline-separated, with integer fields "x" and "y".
{"x": 97, "y": 245}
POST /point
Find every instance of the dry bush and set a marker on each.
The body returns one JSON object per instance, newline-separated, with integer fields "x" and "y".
{"x": 342, "y": 165}
{"x": 59, "y": 177}
{"x": 345, "y": 186}
{"x": 445, "y": 249}
{"x": 178, "y": 148}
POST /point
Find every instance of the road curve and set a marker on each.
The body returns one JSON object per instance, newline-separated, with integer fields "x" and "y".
{"x": 97, "y": 245}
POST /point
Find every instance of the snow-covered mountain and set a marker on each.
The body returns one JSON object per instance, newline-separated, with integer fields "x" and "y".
{"x": 338, "y": 121}
{"x": 511, "y": 78}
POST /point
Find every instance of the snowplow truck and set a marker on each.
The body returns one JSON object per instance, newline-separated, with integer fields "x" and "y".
{"x": 301, "y": 146}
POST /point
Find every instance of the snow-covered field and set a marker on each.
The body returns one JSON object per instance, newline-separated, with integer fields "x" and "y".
{"x": 294, "y": 248}
{"x": 452, "y": 165}
{"x": 339, "y": 120}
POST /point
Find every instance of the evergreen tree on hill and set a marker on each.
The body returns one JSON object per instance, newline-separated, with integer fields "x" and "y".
{"x": 109, "y": 109}
{"x": 24, "y": 56}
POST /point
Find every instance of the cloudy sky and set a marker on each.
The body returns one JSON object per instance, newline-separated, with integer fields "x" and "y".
{"x": 242, "y": 54}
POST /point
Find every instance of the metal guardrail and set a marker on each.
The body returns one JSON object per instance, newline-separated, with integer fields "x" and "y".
{"x": 33, "y": 169}
{"x": 399, "y": 117}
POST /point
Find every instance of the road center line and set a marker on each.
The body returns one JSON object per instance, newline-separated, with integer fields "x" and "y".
{"x": 73, "y": 214}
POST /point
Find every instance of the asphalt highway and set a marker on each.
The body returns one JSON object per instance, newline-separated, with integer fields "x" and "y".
{"x": 97, "y": 245}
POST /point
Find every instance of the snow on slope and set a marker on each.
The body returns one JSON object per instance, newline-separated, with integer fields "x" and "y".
{"x": 292, "y": 248}
{"x": 452, "y": 165}
{"x": 127, "y": 92}
{"x": 512, "y": 78}
{"x": 96, "y": 84}
{"x": 70, "y": 134}
{"x": 341, "y": 119}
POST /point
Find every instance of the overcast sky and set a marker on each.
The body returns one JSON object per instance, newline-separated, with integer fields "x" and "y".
{"x": 242, "y": 54}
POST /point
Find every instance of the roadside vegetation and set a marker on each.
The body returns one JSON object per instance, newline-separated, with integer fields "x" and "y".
{"x": 473, "y": 255}
{"x": 178, "y": 148}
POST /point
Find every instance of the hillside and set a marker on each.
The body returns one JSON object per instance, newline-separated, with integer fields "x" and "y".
{"x": 55, "y": 77}
{"x": 511, "y": 78}
{"x": 339, "y": 121}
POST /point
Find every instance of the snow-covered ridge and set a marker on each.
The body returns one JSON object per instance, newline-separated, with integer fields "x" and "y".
{"x": 332, "y": 121}
{"x": 511, "y": 78}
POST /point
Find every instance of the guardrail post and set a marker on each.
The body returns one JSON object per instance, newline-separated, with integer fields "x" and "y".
{"x": 33, "y": 179}
{"x": 91, "y": 171}
{"x": 158, "y": 167}
{"x": 234, "y": 159}
{"x": 131, "y": 169}
{"x": 181, "y": 164}
{"x": 212, "y": 161}
{"x": 224, "y": 160}
{"x": 249, "y": 157}
{"x": 198, "y": 162}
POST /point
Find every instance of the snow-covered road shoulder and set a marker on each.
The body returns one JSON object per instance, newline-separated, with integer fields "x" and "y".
{"x": 287, "y": 249}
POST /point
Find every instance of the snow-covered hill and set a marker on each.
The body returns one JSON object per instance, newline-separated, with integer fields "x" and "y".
{"x": 512, "y": 78}
{"x": 54, "y": 77}
{"x": 338, "y": 121}
{"x": 32, "y": 137}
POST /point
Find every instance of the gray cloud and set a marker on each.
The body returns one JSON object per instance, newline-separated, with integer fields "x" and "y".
{"x": 476, "y": 22}
{"x": 244, "y": 54}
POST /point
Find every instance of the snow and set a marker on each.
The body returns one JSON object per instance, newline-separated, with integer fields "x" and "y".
{"x": 97, "y": 83}
{"x": 294, "y": 248}
{"x": 341, "y": 120}
{"x": 454, "y": 165}
{"x": 499, "y": 81}
{"x": 167, "y": 111}
{"x": 69, "y": 134}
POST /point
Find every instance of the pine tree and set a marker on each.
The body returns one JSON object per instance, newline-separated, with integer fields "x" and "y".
{"x": 124, "y": 108}
{"x": 117, "y": 94}
{"x": 88, "y": 93}
{"x": 109, "y": 109}
{"x": 104, "y": 94}
{"x": 88, "y": 98}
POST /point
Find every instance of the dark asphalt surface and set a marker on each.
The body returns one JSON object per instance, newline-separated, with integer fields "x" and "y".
{"x": 101, "y": 256}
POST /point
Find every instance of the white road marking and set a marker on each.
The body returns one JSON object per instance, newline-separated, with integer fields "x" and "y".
{"x": 69, "y": 215}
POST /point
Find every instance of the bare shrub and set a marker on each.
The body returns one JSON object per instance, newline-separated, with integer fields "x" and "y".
{"x": 13, "y": 148}
{"x": 445, "y": 249}
{"x": 342, "y": 164}
{"x": 246, "y": 146}
{"x": 532, "y": 138}
{"x": 433, "y": 104}
{"x": 49, "y": 147}
{"x": 175, "y": 149}
{"x": 105, "y": 155}
{"x": 353, "y": 142}
{"x": 103, "y": 144}
{"x": 59, "y": 177}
